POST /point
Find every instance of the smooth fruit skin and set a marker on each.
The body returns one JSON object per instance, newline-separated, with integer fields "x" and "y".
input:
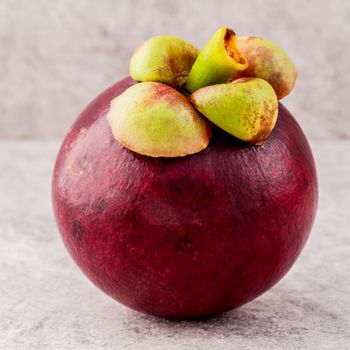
{"x": 183, "y": 237}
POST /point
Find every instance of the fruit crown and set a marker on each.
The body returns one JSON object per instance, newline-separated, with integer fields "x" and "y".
{"x": 234, "y": 83}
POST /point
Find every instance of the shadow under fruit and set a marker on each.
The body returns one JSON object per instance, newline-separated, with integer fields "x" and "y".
{"x": 189, "y": 236}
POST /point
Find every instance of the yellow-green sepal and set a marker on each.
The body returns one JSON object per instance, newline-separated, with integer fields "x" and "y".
{"x": 246, "y": 108}
{"x": 268, "y": 61}
{"x": 164, "y": 59}
{"x": 155, "y": 120}
{"x": 219, "y": 60}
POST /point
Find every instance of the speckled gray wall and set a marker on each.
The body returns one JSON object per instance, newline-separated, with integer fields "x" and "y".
{"x": 55, "y": 56}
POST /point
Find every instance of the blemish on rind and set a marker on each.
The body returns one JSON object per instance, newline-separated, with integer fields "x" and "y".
{"x": 77, "y": 230}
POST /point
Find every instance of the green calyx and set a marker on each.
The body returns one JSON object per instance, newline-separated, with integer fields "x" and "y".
{"x": 268, "y": 61}
{"x": 164, "y": 59}
{"x": 246, "y": 108}
{"x": 219, "y": 60}
{"x": 156, "y": 120}
{"x": 233, "y": 83}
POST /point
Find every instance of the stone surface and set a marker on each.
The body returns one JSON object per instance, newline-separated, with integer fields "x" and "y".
{"x": 47, "y": 303}
{"x": 68, "y": 51}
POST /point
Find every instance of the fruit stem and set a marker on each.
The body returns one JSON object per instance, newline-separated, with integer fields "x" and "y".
{"x": 219, "y": 60}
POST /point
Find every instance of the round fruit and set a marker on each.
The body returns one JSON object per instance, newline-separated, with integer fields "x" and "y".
{"x": 183, "y": 237}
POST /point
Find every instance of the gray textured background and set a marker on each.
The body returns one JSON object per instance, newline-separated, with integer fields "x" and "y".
{"x": 55, "y": 56}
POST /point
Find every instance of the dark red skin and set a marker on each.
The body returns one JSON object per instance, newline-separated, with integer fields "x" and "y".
{"x": 183, "y": 237}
